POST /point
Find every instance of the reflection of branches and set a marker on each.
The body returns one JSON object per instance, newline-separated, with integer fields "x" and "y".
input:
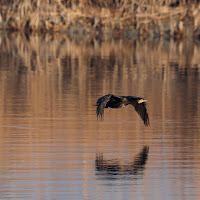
{"x": 113, "y": 166}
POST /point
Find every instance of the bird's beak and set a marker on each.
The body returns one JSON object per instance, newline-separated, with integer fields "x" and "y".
{"x": 142, "y": 100}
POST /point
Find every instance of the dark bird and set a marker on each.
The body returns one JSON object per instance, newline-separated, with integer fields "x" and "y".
{"x": 114, "y": 101}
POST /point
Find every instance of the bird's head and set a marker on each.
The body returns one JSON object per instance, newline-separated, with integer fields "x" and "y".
{"x": 141, "y": 100}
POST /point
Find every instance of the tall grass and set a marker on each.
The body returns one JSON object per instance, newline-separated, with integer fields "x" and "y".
{"x": 45, "y": 15}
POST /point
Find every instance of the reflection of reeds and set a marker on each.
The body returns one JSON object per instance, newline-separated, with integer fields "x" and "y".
{"x": 72, "y": 57}
{"x": 39, "y": 52}
{"x": 55, "y": 15}
{"x": 113, "y": 166}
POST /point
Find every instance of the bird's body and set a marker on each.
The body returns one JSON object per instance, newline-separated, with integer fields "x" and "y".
{"x": 114, "y": 101}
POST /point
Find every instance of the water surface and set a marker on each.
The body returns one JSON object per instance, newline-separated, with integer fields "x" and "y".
{"x": 53, "y": 147}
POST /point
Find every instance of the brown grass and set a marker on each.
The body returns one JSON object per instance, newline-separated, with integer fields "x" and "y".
{"x": 55, "y": 15}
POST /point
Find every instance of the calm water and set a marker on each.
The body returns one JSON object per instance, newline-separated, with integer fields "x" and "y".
{"x": 53, "y": 147}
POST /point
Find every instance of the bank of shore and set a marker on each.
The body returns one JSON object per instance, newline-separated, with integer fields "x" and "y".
{"x": 130, "y": 19}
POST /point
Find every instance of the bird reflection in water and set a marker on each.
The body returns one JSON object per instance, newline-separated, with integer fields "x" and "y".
{"x": 112, "y": 167}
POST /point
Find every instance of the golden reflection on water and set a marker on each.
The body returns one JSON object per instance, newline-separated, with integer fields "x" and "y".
{"x": 49, "y": 133}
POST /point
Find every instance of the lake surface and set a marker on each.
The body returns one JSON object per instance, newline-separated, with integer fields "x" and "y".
{"x": 53, "y": 147}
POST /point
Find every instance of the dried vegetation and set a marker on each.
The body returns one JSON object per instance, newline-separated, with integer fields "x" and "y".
{"x": 127, "y": 17}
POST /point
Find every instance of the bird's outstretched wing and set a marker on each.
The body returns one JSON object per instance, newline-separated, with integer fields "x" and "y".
{"x": 101, "y": 103}
{"x": 142, "y": 111}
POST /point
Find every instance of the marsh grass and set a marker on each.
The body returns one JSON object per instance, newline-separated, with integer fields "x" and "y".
{"x": 56, "y": 15}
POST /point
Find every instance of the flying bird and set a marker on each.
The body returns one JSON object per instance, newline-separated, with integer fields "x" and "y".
{"x": 114, "y": 101}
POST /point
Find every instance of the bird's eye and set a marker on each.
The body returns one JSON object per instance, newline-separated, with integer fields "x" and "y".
{"x": 140, "y": 101}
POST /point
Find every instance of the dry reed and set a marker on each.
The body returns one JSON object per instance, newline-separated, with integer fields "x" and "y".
{"x": 95, "y": 15}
